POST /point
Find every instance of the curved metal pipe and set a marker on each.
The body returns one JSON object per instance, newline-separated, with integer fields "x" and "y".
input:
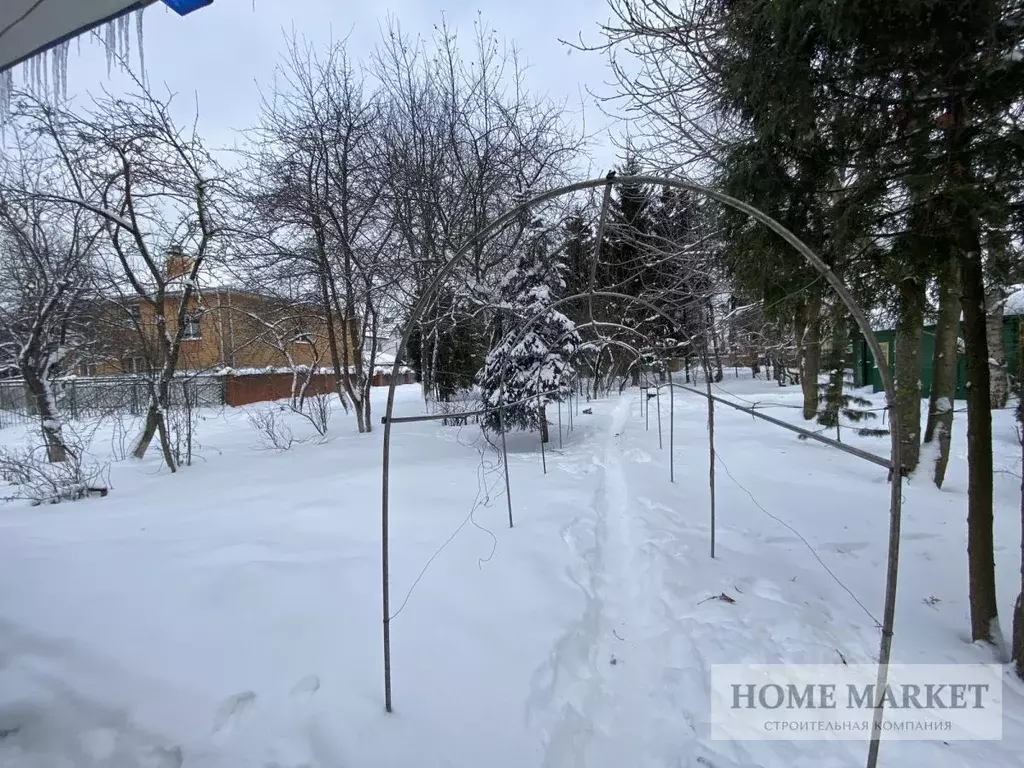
{"x": 896, "y": 486}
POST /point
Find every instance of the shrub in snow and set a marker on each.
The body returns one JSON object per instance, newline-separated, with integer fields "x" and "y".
{"x": 317, "y": 411}
{"x": 274, "y": 434}
{"x": 29, "y": 475}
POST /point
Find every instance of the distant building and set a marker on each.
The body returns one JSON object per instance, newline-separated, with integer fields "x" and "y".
{"x": 225, "y": 327}
{"x": 865, "y": 373}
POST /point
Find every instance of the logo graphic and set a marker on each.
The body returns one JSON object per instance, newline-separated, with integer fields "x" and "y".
{"x": 820, "y": 702}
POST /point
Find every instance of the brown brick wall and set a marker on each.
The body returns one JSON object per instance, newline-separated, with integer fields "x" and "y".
{"x": 258, "y": 388}
{"x": 261, "y": 387}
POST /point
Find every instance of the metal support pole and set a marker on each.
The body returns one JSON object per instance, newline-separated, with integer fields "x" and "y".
{"x": 559, "y": 425}
{"x": 671, "y": 430}
{"x": 543, "y": 460}
{"x": 504, "y": 449}
{"x": 711, "y": 455}
{"x": 657, "y": 401}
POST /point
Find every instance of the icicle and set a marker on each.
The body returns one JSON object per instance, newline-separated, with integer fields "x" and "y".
{"x": 55, "y": 74}
{"x": 6, "y": 91}
{"x": 61, "y": 71}
{"x": 44, "y": 65}
{"x": 110, "y": 43}
{"x": 142, "y": 53}
{"x": 123, "y": 41}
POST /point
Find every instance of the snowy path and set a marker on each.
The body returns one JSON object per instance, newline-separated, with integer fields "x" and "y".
{"x": 617, "y": 685}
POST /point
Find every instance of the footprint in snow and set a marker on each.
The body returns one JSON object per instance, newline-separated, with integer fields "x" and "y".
{"x": 306, "y": 687}
{"x": 638, "y": 456}
{"x": 231, "y": 709}
{"x": 846, "y": 547}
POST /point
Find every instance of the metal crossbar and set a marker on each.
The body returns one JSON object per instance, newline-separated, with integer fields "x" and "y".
{"x": 866, "y": 455}
{"x": 464, "y": 414}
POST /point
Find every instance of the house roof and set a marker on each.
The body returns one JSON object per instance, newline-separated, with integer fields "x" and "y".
{"x": 1014, "y": 304}
{"x": 30, "y": 27}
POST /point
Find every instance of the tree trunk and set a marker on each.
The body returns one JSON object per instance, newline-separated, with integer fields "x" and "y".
{"x": 148, "y": 432}
{"x": 165, "y": 443}
{"x": 1018, "y": 608}
{"x": 980, "y": 549}
{"x": 332, "y": 336}
{"x": 367, "y": 408}
{"x": 999, "y": 380}
{"x": 909, "y": 334}
{"x": 49, "y": 418}
{"x": 799, "y": 332}
{"x": 543, "y": 424}
{"x": 810, "y": 358}
{"x": 719, "y": 374}
{"x": 833, "y": 407}
{"x": 944, "y": 368}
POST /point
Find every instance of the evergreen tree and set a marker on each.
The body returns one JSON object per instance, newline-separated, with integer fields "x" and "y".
{"x": 456, "y": 352}
{"x": 936, "y": 117}
{"x": 539, "y": 368}
{"x": 835, "y": 401}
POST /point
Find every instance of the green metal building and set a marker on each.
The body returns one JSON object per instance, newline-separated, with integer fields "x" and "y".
{"x": 866, "y": 374}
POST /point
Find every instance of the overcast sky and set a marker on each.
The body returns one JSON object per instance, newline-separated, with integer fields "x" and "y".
{"x": 219, "y": 54}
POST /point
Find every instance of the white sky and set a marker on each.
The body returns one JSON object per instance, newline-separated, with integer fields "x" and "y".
{"x": 218, "y": 55}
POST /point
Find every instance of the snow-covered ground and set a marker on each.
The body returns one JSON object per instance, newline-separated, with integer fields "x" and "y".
{"x": 229, "y": 616}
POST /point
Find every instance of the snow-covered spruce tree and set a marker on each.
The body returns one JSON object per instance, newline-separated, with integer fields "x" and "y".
{"x": 539, "y": 368}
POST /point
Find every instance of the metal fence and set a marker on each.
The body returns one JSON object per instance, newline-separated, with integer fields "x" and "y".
{"x": 98, "y": 396}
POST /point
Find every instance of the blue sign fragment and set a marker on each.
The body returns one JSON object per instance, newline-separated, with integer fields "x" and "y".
{"x": 185, "y": 7}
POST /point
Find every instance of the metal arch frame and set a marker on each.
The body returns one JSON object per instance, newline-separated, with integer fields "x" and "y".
{"x": 837, "y": 285}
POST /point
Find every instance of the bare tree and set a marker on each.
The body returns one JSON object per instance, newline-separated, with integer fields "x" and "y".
{"x": 45, "y": 274}
{"x": 160, "y": 196}
{"x": 316, "y": 179}
{"x": 465, "y": 141}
